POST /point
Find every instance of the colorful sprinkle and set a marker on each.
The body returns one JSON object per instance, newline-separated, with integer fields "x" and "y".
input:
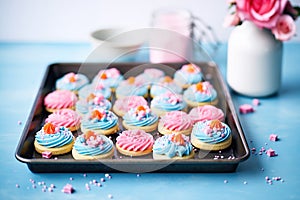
{"x": 68, "y": 189}
{"x": 255, "y": 102}
{"x": 271, "y": 153}
{"x": 273, "y": 137}
{"x": 246, "y": 108}
{"x": 47, "y": 154}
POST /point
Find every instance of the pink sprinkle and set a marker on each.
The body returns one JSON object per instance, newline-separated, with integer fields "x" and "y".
{"x": 99, "y": 184}
{"x": 106, "y": 175}
{"x": 246, "y": 108}
{"x": 46, "y": 154}
{"x": 102, "y": 180}
{"x": 255, "y": 102}
{"x": 50, "y": 189}
{"x": 267, "y": 178}
{"x": 271, "y": 153}
{"x": 273, "y": 137}
{"x": 19, "y": 122}
{"x": 68, "y": 189}
{"x": 52, "y": 186}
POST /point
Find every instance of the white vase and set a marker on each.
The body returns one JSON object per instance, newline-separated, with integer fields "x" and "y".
{"x": 254, "y": 61}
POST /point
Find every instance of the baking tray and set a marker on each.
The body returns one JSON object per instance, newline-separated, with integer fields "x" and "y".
{"x": 204, "y": 161}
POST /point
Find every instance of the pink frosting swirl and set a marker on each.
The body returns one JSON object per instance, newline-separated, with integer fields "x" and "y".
{"x": 206, "y": 112}
{"x": 135, "y": 140}
{"x": 60, "y": 99}
{"x": 176, "y": 121}
{"x": 64, "y": 117}
{"x": 126, "y": 103}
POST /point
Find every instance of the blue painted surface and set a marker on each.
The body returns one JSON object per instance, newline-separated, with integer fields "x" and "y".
{"x": 21, "y": 68}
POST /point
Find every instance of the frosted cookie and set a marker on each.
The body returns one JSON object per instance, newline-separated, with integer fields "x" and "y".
{"x": 165, "y": 84}
{"x": 150, "y": 76}
{"x": 92, "y": 146}
{"x": 212, "y": 135}
{"x": 188, "y": 74}
{"x": 60, "y": 99}
{"x": 123, "y": 105}
{"x": 141, "y": 118}
{"x": 202, "y": 93}
{"x": 65, "y": 117}
{"x": 167, "y": 102}
{"x": 101, "y": 122}
{"x": 131, "y": 87}
{"x": 57, "y": 140}
{"x": 72, "y": 82}
{"x": 92, "y": 102}
{"x": 206, "y": 112}
{"x": 134, "y": 143}
{"x": 173, "y": 146}
{"x": 109, "y": 78}
{"x": 175, "y": 122}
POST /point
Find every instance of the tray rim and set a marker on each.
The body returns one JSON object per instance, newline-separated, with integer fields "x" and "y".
{"x": 32, "y": 161}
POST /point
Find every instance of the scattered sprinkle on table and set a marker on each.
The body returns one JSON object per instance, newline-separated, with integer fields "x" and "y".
{"x": 246, "y": 108}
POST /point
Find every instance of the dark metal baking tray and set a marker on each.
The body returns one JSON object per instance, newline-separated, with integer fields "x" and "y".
{"x": 204, "y": 161}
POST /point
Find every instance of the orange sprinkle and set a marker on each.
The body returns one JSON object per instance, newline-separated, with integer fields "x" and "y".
{"x": 140, "y": 108}
{"x": 191, "y": 68}
{"x": 97, "y": 114}
{"x": 131, "y": 80}
{"x": 72, "y": 79}
{"x": 49, "y": 128}
{"x": 103, "y": 76}
{"x": 89, "y": 134}
{"x": 90, "y": 97}
{"x": 216, "y": 124}
{"x": 199, "y": 87}
{"x": 168, "y": 79}
{"x": 178, "y": 138}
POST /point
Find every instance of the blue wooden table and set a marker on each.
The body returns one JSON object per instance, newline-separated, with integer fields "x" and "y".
{"x": 22, "y": 66}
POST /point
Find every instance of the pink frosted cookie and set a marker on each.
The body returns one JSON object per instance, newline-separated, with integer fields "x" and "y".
{"x": 134, "y": 143}
{"x": 65, "y": 117}
{"x": 206, "y": 112}
{"x": 60, "y": 99}
{"x": 175, "y": 122}
{"x": 123, "y": 105}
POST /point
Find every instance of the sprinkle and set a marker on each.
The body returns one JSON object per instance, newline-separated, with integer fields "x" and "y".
{"x": 262, "y": 169}
{"x": 102, "y": 180}
{"x": 17, "y": 186}
{"x": 99, "y": 184}
{"x": 267, "y": 178}
{"x": 43, "y": 189}
{"x": 71, "y": 179}
{"x": 39, "y": 183}
{"x": 246, "y": 108}
{"x": 52, "y": 186}
{"x": 68, "y": 189}
{"x": 84, "y": 175}
{"x": 271, "y": 153}
{"x": 50, "y": 189}
{"x": 273, "y": 137}
{"x": 94, "y": 181}
{"x": 225, "y": 181}
{"x": 138, "y": 175}
{"x": 106, "y": 175}
{"x": 245, "y": 183}
{"x": 46, "y": 154}
{"x": 19, "y": 122}
{"x": 34, "y": 186}
{"x": 110, "y": 196}
{"x": 255, "y": 102}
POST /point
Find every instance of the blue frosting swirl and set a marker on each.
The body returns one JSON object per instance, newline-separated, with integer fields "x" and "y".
{"x": 183, "y": 77}
{"x": 198, "y": 96}
{"x": 104, "y": 123}
{"x": 163, "y": 88}
{"x": 164, "y": 146}
{"x": 147, "y": 120}
{"x": 215, "y": 137}
{"x": 85, "y": 91}
{"x": 83, "y": 148}
{"x": 131, "y": 90}
{"x": 109, "y": 82}
{"x": 83, "y": 107}
{"x": 81, "y": 81}
{"x": 63, "y": 137}
{"x": 162, "y": 103}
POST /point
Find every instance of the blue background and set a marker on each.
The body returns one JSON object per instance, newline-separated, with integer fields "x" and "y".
{"x": 22, "y": 66}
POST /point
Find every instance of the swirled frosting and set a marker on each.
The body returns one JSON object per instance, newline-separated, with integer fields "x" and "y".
{"x": 64, "y": 117}
{"x": 165, "y": 84}
{"x": 211, "y": 131}
{"x": 108, "y": 77}
{"x": 71, "y": 81}
{"x": 60, "y": 99}
{"x": 168, "y": 102}
{"x": 201, "y": 92}
{"x": 93, "y": 102}
{"x": 99, "y": 119}
{"x": 206, "y": 112}
{"x": 135, "y": 140}
{"x": 95, "y": 89}
{"x": 91, "y": 144}
{"x": 188, "y": 74}
{"x": 176, "y": 121}
{"x": 140, "y": 116}
{"x": 173, "y": 145}
{"x": 52, "y": 136}
{"x": 132, "y": 87}
{"x": 126, "y": 103}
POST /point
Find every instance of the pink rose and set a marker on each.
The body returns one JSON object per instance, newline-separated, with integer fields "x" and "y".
{"x": 231, "y": 20}
{"x": 264, "y": 13}
{"x": 285, "y": 28}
